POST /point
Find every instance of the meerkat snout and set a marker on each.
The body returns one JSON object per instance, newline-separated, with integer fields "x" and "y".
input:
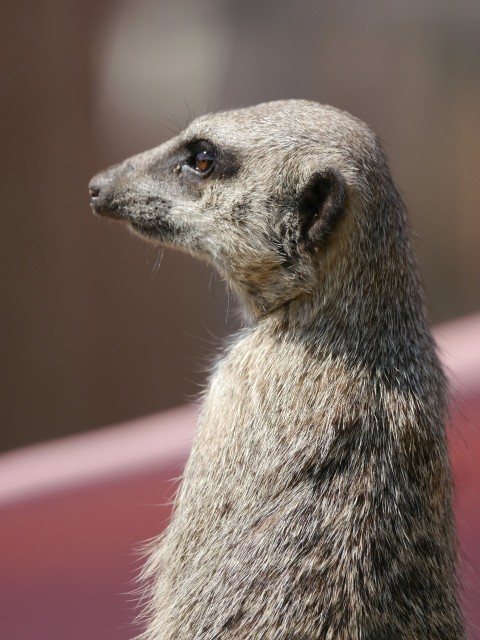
{"x": 317, "y": 501}
{"x": 104, "y": 186}
{"x": 98, "y": 189}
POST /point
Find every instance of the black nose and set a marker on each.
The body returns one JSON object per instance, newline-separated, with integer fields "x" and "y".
{"x": 94, "y": 190}
{"x": 106, "y": 185}
{"x": 100, "y": 189}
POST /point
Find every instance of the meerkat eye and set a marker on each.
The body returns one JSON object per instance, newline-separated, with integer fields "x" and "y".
{"x": 201, "y": 159}
{"x": 204, "y": 162}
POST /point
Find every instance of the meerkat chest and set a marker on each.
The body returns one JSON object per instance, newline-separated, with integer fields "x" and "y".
{"x": 258, "y": 387}
{"x": 269, "y": 403}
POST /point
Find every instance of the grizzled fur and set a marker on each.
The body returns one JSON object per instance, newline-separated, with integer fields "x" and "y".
{"x": 316, "y": 503}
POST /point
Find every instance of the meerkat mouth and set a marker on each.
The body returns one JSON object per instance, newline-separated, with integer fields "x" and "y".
{"x": 155, "y": 228}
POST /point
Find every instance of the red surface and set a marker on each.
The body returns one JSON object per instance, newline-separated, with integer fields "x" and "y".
{"x": 73, "y": 512}
{"x": 73, "y": 515}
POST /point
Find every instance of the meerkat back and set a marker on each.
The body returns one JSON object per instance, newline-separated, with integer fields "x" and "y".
{"x": 316, "y": 503}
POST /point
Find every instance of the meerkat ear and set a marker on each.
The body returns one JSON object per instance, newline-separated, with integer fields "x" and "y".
{"x": 321, "y": 203}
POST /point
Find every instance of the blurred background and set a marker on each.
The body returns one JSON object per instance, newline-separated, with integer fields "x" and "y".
{"x": 94, "y": 330}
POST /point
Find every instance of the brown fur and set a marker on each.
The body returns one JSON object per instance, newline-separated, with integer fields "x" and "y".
{"x": 316, "y": 503}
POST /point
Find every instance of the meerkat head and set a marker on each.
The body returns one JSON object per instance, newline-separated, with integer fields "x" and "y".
{"x": 264, "y": 193}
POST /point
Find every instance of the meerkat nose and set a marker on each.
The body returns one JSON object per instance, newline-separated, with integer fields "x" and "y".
{"x": 94, "y": 190}
{"x": 100, "y": 188}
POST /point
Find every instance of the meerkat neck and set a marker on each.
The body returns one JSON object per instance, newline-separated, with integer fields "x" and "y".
{"x": 376, "y": 321}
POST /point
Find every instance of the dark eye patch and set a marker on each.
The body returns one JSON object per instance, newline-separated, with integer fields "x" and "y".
{"x": 204, "y": 159}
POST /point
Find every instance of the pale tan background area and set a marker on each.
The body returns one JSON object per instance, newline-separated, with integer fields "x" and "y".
{"x": 92, "y": 329}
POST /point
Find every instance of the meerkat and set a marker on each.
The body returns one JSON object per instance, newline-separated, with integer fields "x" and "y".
{"x": 316, "y": 503}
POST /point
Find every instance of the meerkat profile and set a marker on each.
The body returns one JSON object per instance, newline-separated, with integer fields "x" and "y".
{"x": 316, "y": 503}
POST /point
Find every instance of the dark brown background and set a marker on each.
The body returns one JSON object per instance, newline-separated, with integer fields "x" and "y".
{"x": 92, "y": 332}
